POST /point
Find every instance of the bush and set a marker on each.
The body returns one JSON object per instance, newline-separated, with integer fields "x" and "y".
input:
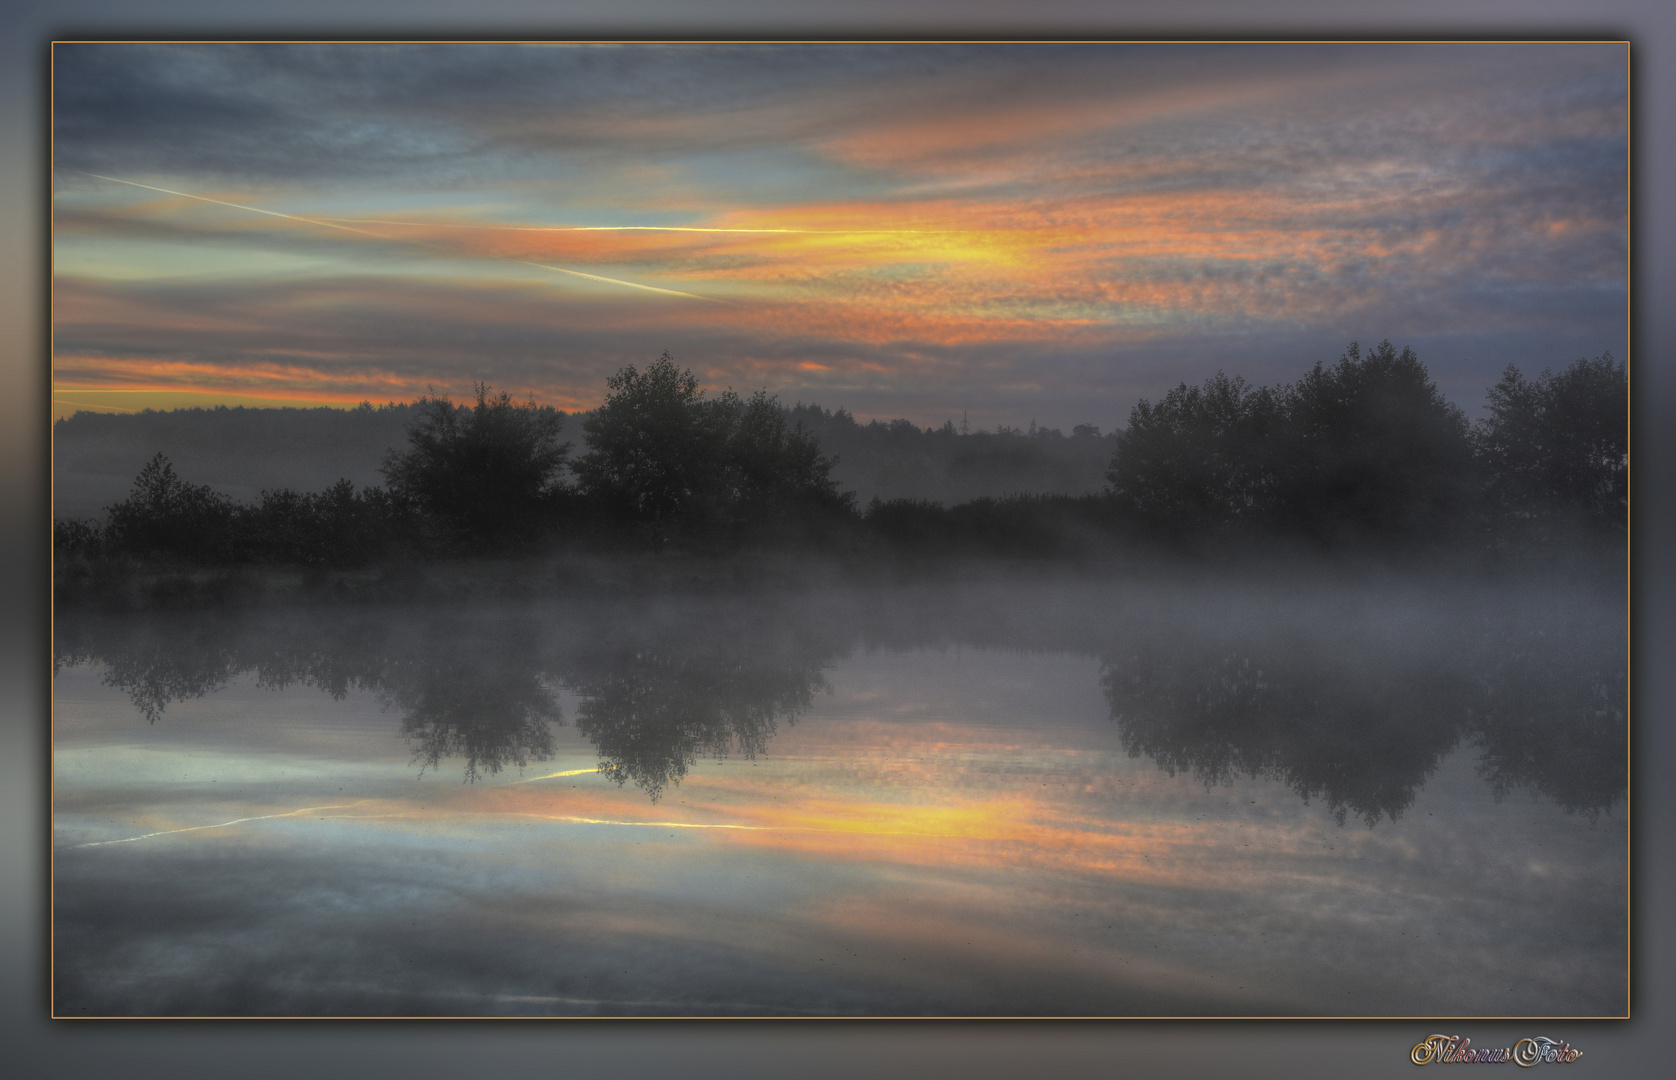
{"x": 337, "y": 527}
{"x": 486, "y": 473}
{"x": 667, "y": 460}
{"x": 84, "y": 539}
{"x": 164, "y": 515}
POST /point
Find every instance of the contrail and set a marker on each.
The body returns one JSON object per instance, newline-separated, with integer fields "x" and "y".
{"x": 222, "y": 825}
{"x": 556, "y": 775}
{"x": 571, "y": 820}
{"x": 234, "y": 205}
{"x": 656, "y": 824}
{"x": 628, "y": 228}
{"x": 329, "y": 224}
{"x": 617, "y": 281}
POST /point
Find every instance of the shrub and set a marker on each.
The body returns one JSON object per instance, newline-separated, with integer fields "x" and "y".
{"x": 488, "y": 472}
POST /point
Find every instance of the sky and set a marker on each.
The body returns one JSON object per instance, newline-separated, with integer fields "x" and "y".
{"x": 1005, "y": 232}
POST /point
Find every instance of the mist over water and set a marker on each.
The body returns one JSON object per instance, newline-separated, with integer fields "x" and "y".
{"x": 1206, "y": 795}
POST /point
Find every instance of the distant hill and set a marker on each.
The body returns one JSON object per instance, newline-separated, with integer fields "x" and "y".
{"x": 241, "y": 451}
{"x": 238, "y": 451}
{"x": 900, "y": 460}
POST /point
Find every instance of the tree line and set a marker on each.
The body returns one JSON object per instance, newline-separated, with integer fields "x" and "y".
{"x": 1363, "y": 452}
{"x": 1368, "y": 450}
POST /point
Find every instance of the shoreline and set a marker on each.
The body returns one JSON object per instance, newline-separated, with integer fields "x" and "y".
{"x": 135, "y": 585}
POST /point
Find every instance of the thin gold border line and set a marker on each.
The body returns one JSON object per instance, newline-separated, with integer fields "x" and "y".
{"x": 52, "y": 548}
{"x": 1629, "y": 538}
{"x": 586, "y": 42}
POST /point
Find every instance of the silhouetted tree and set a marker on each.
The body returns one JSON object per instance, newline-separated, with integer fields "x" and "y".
{"x": 488, "y": 472}
{"x": 165, "y": 515}
{"x": 1557, "y": 446}
{"x": 654, "y": 448}
{"x": 1364, "y": 450}
{"x": 1550, "y": 716}
{"x": 1015, "y": 527}
{"x": 1199, "y": 461}
{"x": 1371, "y": 449}
{"x": 1363, "y": 742}
{"x": 664, "y": 456}
{"x": 776, "y": 475}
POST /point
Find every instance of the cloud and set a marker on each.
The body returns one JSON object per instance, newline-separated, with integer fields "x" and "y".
{"x": 908, "y": 226}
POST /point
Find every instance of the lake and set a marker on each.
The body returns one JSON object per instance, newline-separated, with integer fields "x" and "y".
{"x": 1386, "y": 797}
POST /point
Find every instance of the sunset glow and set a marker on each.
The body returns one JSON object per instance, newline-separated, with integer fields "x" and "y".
{"x": 1009, "y": 231}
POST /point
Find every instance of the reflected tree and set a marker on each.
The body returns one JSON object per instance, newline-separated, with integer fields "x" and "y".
{"x": 1358, "y": 724}
{"x": 1362, "y": 742}
{"x": 483, "y": 691}
{"x": 1546, "y": 712}
{"x": 653, "y": 714}
{"x": 457, "y": 708}
{"x": 1554, "y": 722}
{"x": 156, "y": 662}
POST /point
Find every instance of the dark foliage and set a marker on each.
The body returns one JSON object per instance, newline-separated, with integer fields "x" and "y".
{"x": 1366, "y": 451}
{"x": 1544, "y": 706}
{"x": 1019, "y": 527}
{"x": 779, "y": 484}
{"x": 1557, "y": 448}
{"x": 336, "y": 527}
{"x": 487, "y": 711}
{"x": 1579, "y": 763}
{"x": 667, "y": 460}
{"x": 1201, "y": 461}
{"x": 651, "y": 715}
{"x": 654, "y": 449}
{"x": 238, "y": 451}
{"x": 78, "y": 539}
{"x": 1361, "y": 455}
{"x": 486, "y": 473}
{"x": 1360, "y": 746}
{"x": 482, "y": 691}
{"x": 1369, "y": 450}
{"x": 165, "y": 515}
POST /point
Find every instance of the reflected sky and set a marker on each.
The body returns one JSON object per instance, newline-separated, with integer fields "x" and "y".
{"x": 852, "y": 805}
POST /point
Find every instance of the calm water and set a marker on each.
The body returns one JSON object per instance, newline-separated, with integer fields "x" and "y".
{"x": 984, "y": 800}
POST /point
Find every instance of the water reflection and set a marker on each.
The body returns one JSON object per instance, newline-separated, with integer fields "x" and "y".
{"x": 652, "y": 713}
{"x": 1364, "y": 737}
{"x": 482, "y": 687}
{"x": 1357, "y": 720}
{"x": 1361, "y": 742}
{"x": 489, "y": 712}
